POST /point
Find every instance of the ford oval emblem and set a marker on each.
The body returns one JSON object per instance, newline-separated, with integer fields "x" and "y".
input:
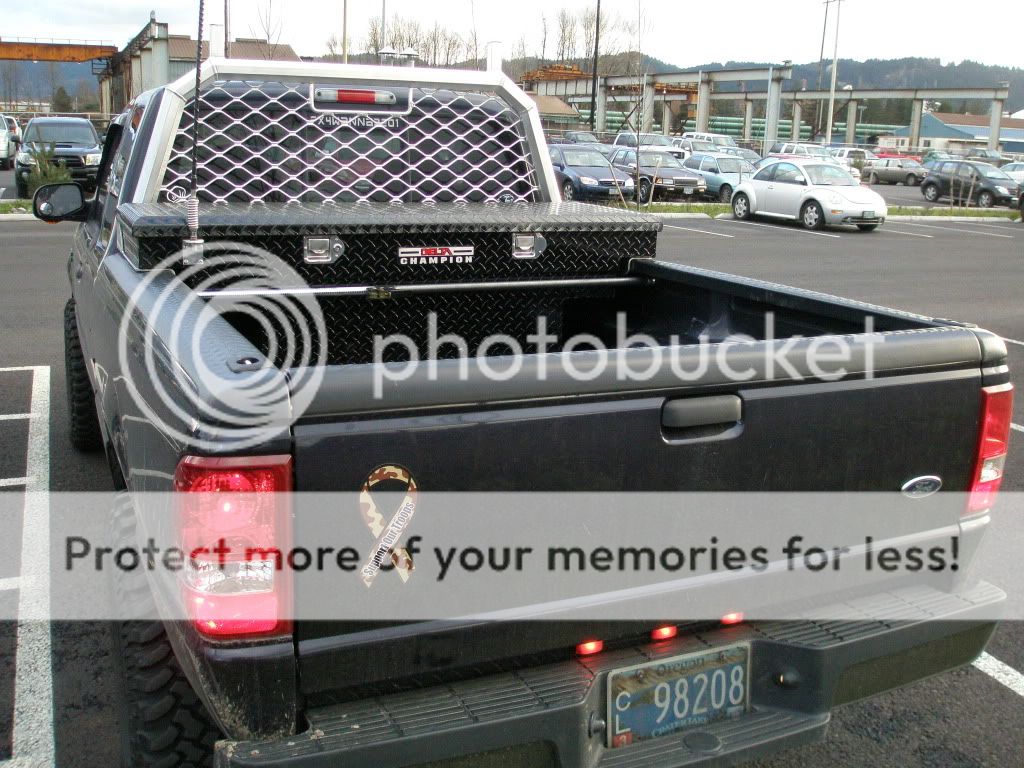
{"x": 921, "y": 487}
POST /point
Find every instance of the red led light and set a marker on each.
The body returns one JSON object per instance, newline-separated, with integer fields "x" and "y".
{"x": 664, "y": 633}
{"x": 590, "y": 647}
{"x": 732, "y": 618}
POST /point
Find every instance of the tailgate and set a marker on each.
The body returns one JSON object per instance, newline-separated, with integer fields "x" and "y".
{"x": 918, "y": 417}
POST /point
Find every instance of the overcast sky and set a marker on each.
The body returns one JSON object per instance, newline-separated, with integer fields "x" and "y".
{"x": 680, "y": 32}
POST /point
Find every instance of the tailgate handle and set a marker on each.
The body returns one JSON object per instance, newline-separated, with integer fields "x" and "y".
{"x": 701, "y": 411}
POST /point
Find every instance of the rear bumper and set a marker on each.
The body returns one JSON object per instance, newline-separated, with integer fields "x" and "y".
{"x": 556, "y": 713}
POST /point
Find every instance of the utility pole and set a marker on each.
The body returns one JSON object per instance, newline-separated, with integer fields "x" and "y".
{"x": 593, "y": 80}
{"x": 344, "y": 30}
{"x": 821, "y": 67}
{"x": 383, "y": 23}
{"x": 227, "y": 29}
{"x": 835, "y": 69}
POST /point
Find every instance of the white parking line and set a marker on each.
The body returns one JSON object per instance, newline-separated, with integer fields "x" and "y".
{"x": 1013, "y": 341}
{"x": 780, "y": 229}
{"x": 991, "y": 226}
{"x": 33, "y": 742}
{"x": 702, "y": 231}
{"x": 9, "y": 585}
{"x": 1018, "y": 427}
{"x": 15, "y": 416}
{"x": 8, "y": 482}
{"x": 955, "y": 229}
{"x": 1004, "y": 673}
{"x": 887, "y": 230}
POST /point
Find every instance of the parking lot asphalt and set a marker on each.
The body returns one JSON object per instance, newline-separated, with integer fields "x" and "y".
{"x": 7, "y": 185}
{"x": 971, "y": 272}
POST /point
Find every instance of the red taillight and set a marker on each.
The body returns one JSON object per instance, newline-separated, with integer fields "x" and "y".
{"x": 732, "y": 618}
{"x": 355, "y": 96}
{"x": 234, "y": 524}
{"x": 664, "y": 633}
{"x": 590, "y": 647}
{"x": 993, "y": 443}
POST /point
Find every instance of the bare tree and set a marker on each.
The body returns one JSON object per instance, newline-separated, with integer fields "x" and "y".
{"x": 373, "y": 42}
{"x": 543, "y": 38}
{"x": 566, "y": 35}
{"x": 268, "y": 30}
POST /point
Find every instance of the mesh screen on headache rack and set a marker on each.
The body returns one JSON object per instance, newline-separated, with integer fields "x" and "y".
{"x": 265, "y": 141}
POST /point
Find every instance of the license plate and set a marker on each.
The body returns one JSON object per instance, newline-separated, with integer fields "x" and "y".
{"x": 661, "y": 697}
{"x": 613, "y": 191}
{"x": 869, "y": 214}
{"x": 687, "y": 190}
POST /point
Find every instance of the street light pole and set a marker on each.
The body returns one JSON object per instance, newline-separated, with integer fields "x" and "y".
{"x": 344, "y": 31}
{"x": 821, "y": 66}
{"x": 593, "y": 81}
{"x": 383, "y": 22}
{"x": 835, "y": 69}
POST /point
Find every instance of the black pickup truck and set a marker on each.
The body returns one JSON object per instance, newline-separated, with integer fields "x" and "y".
{"x": 384, "y": 195}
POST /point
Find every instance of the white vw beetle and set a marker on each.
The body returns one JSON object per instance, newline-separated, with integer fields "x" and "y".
{"x": 814, "y": 192}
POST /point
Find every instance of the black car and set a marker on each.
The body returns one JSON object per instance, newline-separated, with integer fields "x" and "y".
{"x": 970, "y": 181}
{"x": 586, "y": 174}
{"x": 74, "y": 143}
{"x": 666, "y": 173}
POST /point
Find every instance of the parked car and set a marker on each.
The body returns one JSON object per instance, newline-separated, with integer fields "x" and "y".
{"x": 8, "y": 144}
{"x": 605, "y": 149}
{"x": 650, "y": 141}
{"x": 851, "y": 155}
{"x": 660, "y": 175}
{"x": 1015, "y": 171}
{"x": 810, "y": 191}
{"x": 799, "y": 150}
{"x": 208, "y": 674}
{"x": 894, "y": 171}
{"x": 970, "y": 181}
{"x": 747, "y": 154}
{"x": 585, "y": 174}
{"x": 993, "y": 156}
{"x": 722, "y": 172}
{"x": 689, "y": 146}
{"x": 718, "y": 139}
{"x": 936, "y": 154}
{"x": 74, "y": 143}
{"x": 579, "y": 137}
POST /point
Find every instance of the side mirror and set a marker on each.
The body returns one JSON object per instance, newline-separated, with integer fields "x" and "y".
{"x": 801, "y": 181}
{"x": 16, "y": 140}
{"x": 59, "y": 202}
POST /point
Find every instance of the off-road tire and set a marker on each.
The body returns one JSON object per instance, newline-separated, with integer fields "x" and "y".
{"x": 83, "y": 426}
{"x": 163, "y": 723}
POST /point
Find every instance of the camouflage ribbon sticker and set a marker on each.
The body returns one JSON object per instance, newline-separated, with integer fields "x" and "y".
{"x": 388, "y": 535}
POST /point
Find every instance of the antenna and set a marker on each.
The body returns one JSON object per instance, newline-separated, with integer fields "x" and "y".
{"x": 192, "y": 246}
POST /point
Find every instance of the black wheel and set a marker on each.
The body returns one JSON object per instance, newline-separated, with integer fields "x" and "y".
{"x": 812, "y": 216}
{"x": 930, "y": 192}
{"x": 725, "y": 193}
{"x": 162, "y": 721}
{"x": 21, "y": 188}
{"x": 84, "y": 427}
{"x": 986, "y": 199}
{"x": 911, "y": 180}
{"x": 568, "y": 191}
{"x": 867, "y": 227}
{"x": 873, "y": 178}
{"x": 644, "y": 191}
{"x": 741, "y": 206}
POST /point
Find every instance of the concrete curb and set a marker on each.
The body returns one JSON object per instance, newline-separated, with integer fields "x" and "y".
{"x": 17, "y": 217}
{"x": 680, "y": 215}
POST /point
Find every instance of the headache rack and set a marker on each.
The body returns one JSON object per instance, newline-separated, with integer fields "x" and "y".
{"x": 394, "y": 194}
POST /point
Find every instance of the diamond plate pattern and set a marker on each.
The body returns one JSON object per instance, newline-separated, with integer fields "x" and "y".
{"x": 264, "y": 141}
{"x": 353, "y": 322}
